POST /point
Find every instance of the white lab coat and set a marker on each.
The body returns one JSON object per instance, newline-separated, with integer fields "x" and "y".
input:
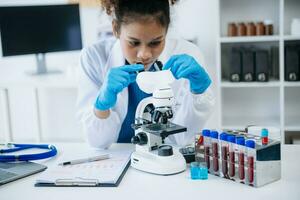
{"x": 190, "y": 110}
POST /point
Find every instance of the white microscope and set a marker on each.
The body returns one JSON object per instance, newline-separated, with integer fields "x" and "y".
{"x": 152, "y": 126}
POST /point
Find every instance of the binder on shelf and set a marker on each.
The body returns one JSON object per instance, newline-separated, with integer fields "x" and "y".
{"x": 235, "y": 65}
{"x": 102, "y": 173}
{"x": 248, "y": 68}
{"x": 262, "y": 65}
{"x": 292, "y": 67}
{"x": 274, "y": 62}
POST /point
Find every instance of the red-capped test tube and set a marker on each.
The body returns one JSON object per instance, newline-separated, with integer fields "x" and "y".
{"x": 240, "y": 141}
{"x": 215, "y": 150}
{"x": 250, "y": 150}
{"x": 224, "y": 153}
{"x": 231, "y": 140}
{"x": 264, "y": 136}
{"x": 207, "y": 144}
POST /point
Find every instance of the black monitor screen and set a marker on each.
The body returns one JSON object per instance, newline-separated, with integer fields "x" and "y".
{"x": 40, "y": 29}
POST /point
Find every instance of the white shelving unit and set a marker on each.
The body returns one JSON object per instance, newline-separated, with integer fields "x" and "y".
{"x": 271, "y": 83}
{"x": 249, "y": 39}
{"x": 274, "y": 103}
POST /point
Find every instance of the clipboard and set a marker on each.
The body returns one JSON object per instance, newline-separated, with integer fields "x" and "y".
{"x": 103, "y": 173}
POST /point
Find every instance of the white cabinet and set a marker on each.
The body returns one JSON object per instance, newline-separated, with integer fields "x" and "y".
{"x": 4, "y": 117}
{"x": 23, "y": 114}
{"x": 292, "y": 108}
{"x": 38, "y": 108}
{"x": 57, "y": 108}
{"x": 273, "y": 103}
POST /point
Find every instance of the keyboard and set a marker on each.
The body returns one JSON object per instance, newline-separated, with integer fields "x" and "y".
{"x": 4, "y": 175}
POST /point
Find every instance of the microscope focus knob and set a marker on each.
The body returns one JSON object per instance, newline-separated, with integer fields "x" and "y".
{"x": 140, "y": 138}
{"x": 165, "y": 150}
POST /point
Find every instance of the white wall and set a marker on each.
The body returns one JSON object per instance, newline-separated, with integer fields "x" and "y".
{"x": 193, "y": 19}
{"x": 197, "y": 19}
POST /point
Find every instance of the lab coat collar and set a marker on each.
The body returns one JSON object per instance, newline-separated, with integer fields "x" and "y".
{"x": 116, "y": 57}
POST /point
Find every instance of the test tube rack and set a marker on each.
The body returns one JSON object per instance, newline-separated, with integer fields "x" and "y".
{"x": 266, "y": 163}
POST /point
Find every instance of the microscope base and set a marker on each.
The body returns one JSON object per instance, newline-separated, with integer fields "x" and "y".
{"x": 155, "y": 164}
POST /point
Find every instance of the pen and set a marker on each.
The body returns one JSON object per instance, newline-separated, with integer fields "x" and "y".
{"x": 84, "y": 160}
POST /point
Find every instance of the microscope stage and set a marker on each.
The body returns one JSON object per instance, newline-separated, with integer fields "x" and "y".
{"x": 163, "y": 130}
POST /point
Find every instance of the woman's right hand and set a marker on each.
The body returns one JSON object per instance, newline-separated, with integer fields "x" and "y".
{"x": 115, "y": 81}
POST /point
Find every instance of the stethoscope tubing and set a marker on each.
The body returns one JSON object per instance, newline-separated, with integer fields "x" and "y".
{"x": 27, "y": 157}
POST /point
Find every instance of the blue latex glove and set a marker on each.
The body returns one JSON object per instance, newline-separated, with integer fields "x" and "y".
{"x": 115, "y": 81}
{"x": 185, "y": 66}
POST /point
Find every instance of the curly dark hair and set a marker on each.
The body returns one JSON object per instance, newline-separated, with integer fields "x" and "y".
{"x": 126, "y": 11}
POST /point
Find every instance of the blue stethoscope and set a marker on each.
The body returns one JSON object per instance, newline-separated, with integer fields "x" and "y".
{"x": 26, "y": 157}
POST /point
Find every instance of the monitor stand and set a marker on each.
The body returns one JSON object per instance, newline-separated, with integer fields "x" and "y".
{"x": 41, "y": 66}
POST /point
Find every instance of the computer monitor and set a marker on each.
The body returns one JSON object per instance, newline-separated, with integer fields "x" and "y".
{"x": 40, "y": 29}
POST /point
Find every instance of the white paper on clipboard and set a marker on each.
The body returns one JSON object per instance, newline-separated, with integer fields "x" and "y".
{"x": 106, "y": 171}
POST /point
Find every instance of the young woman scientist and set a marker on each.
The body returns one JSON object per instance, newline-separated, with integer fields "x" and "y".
{"x": 108, "y": 94}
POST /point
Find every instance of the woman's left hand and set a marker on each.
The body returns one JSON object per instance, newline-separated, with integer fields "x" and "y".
{"x": 185, "y": 66}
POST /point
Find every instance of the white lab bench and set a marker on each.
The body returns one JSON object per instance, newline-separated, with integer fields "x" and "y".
{"x": 38, "y": 108}
{"x": 139, "y": 185}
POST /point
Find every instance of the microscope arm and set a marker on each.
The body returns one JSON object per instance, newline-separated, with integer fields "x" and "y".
{"x": 141, "y": 107}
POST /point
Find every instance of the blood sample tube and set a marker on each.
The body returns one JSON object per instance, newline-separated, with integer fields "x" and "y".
{"x": 231, "y": 140}
{"x": 250, "y": 150}
{"x": 264, "y": 136}
{"x": 241, "y": 158}
{"x": 224, "y": 154}
{"x": 215, "y": 150}
{"x": 206, "y": 141}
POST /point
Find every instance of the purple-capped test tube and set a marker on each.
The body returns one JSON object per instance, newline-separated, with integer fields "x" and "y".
{"x": 215, "y": 150}
{"x": 206, "y": 142}
{"x": 250, "y": 150}
{"x": 231, "y": 140}
{"x": 224, "y": 153}
{"x": 240, "y": 141}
